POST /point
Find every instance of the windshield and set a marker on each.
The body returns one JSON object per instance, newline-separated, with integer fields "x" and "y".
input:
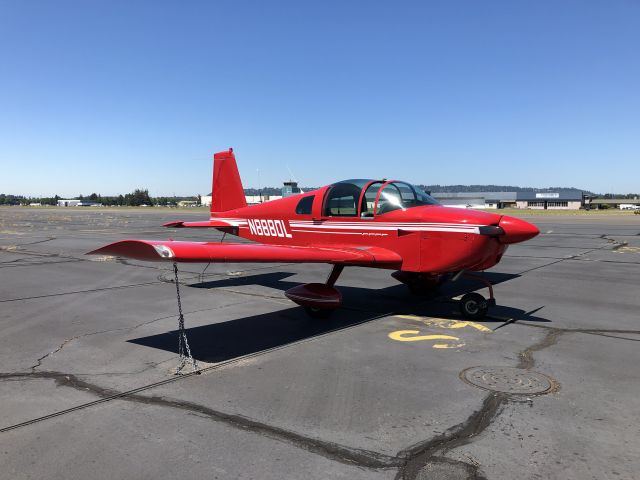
{"x": 400, "y": 196}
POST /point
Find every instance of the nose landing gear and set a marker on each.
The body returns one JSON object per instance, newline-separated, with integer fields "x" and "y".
{"x": 473, "y": 305}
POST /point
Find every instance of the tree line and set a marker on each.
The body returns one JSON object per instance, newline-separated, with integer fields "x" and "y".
{"x": 140, "y": 196}
{"x": 134, "y": 199}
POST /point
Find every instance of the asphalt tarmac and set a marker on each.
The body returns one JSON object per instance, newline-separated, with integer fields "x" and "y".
{"x": 88, "y": 346}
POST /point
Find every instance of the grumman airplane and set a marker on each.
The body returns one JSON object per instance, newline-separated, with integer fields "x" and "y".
{"x": 367, "y": 223}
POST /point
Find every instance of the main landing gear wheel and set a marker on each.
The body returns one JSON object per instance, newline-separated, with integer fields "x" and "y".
{"x": 319, "y": 300}
{"x": 473, "y": 305}
{"x": 319, "y": 312}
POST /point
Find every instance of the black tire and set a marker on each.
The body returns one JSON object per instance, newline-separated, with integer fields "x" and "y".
{"x": 319, "y": 312}
{"x": 473, "y": 305}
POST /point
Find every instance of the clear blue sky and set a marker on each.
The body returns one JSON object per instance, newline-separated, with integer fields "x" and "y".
{"x": 113, "y": 95}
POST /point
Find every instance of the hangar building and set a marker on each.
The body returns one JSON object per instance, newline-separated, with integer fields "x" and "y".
{"x": 567, "y": 200}
{"x": 560, "y": 200}
{"x": 476, "y": 199}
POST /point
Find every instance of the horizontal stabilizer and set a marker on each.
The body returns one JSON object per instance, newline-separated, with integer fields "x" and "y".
{"x": 205, "y": 224}
{"x": 201, "y": 252}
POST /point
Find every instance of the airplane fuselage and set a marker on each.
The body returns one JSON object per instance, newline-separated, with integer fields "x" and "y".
{"x": 431, "y": 238}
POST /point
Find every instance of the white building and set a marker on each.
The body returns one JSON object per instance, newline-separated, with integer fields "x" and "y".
{"x": 483, "y": 200}
{"x": 74, "y": 202}
{"x": 570, "y": 200}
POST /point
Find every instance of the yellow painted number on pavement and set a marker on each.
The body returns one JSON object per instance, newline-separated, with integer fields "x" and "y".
{"x": 412, "y": 336}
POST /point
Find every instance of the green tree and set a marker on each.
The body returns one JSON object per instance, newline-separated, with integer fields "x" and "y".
{"x": 138, "y": 197}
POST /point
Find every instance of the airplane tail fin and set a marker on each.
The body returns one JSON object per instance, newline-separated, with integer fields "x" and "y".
{"x": 227, "y": 192}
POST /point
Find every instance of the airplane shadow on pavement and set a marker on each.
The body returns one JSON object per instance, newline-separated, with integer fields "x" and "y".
{"x": 234, "y": 338}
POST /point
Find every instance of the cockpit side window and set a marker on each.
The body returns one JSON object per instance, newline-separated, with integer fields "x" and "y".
{"x": 401, "y": 195}
{"x": 305, "y": 205}
{"x": 342, "y": 200}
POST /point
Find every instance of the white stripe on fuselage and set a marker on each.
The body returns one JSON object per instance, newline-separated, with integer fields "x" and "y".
{"x": 311, "y": 226}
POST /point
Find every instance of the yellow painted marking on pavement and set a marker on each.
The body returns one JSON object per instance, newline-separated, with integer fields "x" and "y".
{"x": 401, "y": 336}
{"x": 412, "y": 336}
{"x": 446, "y": 323}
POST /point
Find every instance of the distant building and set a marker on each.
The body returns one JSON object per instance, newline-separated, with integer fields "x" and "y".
{"x": 561, "y": 200}
{"x": 629, "y": 206}
{"x": 205, "y": 200}
{"x": 567, "y": 200}
{"x": 621, "y": 203}
{"x": 476, "y": 199}
{"x": 255, "y": 199}
{"x": 73, "y": 202}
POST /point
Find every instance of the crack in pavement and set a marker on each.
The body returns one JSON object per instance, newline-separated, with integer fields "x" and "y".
{"x": 603, "y": 332}
{"x": 25, "y": 262}
{"x": 526, "y": 360}
{"x": 142, "y": 324}
{"x": 423, "y": 456}
{"x": 60, "y": 347}
{"x": 334, "y": 451}
{"x": 430, "y": 453}
{"x": 577, "y": 256}
{"x": 90, "y": 290}
{"x": 418, "y": 456}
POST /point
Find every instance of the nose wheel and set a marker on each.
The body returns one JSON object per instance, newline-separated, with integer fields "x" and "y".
{"x": 473, "y": 305}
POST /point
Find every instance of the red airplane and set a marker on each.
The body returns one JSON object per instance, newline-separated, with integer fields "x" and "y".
{"x": 367, "y": 223}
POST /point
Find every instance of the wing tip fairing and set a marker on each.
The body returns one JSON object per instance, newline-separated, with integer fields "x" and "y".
{"x": 137, "y": 250}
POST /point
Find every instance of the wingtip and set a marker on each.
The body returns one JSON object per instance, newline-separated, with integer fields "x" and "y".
{"x": 136, "y": 249}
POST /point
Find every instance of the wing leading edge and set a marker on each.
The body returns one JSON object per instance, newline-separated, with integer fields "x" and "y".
{"x": 199, "y": 252}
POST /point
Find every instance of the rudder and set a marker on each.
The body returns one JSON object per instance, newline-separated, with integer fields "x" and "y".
{"x": 226, "y": 192}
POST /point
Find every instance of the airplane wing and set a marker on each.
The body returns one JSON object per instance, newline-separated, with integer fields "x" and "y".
{"x": 200, "y": 252}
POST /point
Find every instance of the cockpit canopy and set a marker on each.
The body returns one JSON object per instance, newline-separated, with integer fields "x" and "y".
{"x": 366, "y": 198}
